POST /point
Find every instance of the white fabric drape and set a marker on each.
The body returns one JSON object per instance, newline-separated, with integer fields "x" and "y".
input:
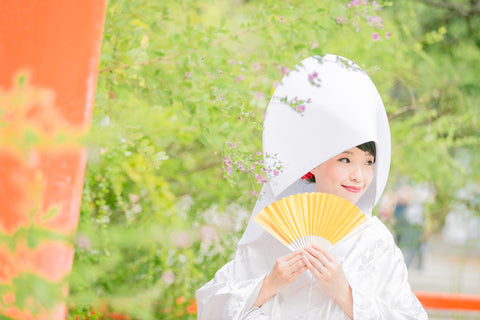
{"x": 342, "y": 109}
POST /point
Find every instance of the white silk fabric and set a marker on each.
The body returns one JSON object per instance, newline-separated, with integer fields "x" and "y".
{"x": 324, "y": 106}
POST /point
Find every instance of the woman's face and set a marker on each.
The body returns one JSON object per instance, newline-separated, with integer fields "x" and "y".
{"x": 347, "y": 175}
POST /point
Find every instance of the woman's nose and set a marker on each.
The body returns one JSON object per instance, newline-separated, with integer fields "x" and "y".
{"x": 356, "y": 174}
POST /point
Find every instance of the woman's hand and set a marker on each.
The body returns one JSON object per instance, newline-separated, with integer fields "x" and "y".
{"x": 329, "y": 274}
{"x": 285, "y": 271}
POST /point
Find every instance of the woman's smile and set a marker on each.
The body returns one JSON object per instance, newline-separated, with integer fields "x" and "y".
{"x": 352, "y": 189}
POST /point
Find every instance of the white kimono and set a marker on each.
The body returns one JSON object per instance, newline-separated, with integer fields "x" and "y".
{"x": 372, "y": 263}
{"x": 343, "y": 107}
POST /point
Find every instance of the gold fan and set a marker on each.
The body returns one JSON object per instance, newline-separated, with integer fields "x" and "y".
{"x": 306, "y": 218}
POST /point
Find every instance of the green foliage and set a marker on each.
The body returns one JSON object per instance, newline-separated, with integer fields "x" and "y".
{"x": 176, "y": 135}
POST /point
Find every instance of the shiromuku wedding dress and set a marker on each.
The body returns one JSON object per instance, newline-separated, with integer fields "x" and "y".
{"x": 341, "y": 108}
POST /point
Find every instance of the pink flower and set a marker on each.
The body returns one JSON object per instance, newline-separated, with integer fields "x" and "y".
{"x": 256, "y": 66}
{"x": 375, "y": 36}
{"x": 254, "y": 193}
{"x": 228, "y": 163}
{"x": 208, "y": 234}
{"x": 314, "y": 45}
{"x": 260, "y": 178}
{"x": 340, "y": 19}
{"x": 312, "y": 76}
{"x": 301, "y": 108}
{"x": 83, "y": 242}
{"x": 387, "y": 34}
{"x": 168, "y": 277}
{"x": 358, "y": 29}
{"x": 182, "y": 239}
{"x": 240, "y": 78}
{"x": 187, "y": 74}
{"x": 259, "y": 95}
{"x": 241, "y": 167}
{"x": 284, "y": 71}
{"x": 356, "y": 2}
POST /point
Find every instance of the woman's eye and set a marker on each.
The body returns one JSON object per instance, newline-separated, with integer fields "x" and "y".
{"x": 344, "y": 160}
{"x": 369, "y": 163}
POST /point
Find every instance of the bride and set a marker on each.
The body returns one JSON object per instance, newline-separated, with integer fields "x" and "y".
{"x": 338, "y": 142}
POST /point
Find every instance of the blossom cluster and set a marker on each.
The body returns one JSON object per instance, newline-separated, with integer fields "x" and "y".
{"x": 251, "y": 165}
{"x": 364, "y": 11}
{"x": 297, "y": 104}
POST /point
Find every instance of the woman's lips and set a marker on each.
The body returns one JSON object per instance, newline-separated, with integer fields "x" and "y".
{"x": 352, "y": 189}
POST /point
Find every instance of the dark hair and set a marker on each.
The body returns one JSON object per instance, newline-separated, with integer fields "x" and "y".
{"x": 367, "y": 147}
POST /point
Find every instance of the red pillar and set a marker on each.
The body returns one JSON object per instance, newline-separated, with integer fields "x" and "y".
{"x": 56, "y": 43}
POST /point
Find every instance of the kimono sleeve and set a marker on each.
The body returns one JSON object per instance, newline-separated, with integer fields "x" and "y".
{"x": 224, "y": 297}
{"x": 379, "y": 284}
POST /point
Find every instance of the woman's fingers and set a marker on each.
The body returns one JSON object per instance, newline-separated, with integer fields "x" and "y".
{"x": 320, "y": 255}
{"x": 309, "y": 262}
{"x": 325, "y": 252}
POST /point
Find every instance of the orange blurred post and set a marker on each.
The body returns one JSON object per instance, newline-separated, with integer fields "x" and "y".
{"x": 449, "y": 301}
{"x": 57, "y": 45}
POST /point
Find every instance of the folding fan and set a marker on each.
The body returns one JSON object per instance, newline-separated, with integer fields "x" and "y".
{"x": 307, "y": 218}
